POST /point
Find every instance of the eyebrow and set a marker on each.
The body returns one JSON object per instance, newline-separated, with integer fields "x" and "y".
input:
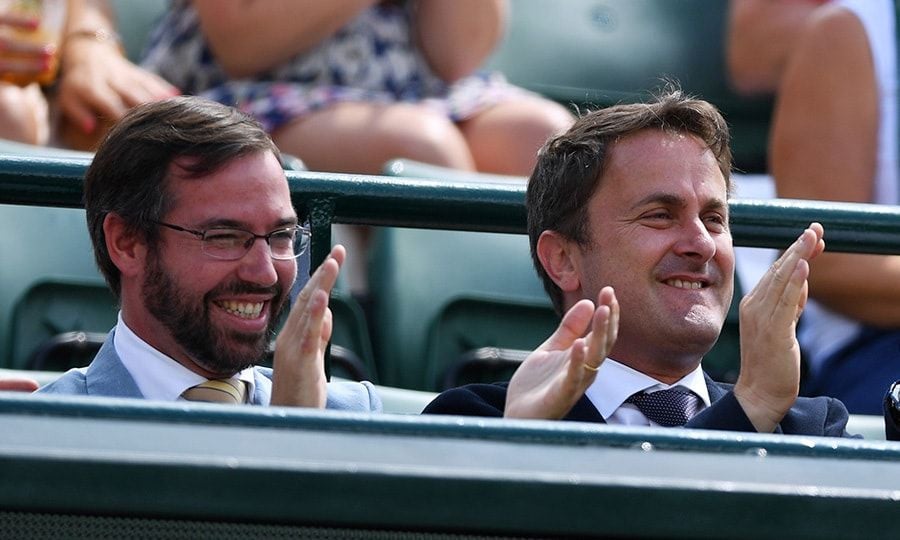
{"x": 669, "y": 199}
{"x": 223, "y": 223}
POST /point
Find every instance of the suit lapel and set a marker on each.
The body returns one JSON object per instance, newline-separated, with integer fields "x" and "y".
{"x": 262, "y": 391}
{"x": 584, "y": 411}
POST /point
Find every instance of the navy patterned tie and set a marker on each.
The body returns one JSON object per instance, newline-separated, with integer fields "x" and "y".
{"x": 668, "y": 408}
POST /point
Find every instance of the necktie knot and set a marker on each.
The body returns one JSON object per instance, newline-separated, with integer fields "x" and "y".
{"x": 668, "y": 408}
{"x": 229, "y": 391}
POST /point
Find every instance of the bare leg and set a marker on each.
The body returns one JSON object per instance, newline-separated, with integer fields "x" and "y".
{"x": 505, "y": 139}
{"x": 361, "y": 137}
{"x": 23, "y": 114}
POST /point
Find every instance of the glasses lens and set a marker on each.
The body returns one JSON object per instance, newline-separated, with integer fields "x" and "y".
{"x": 283, "y": 243}
{"x": 228, "y": 244}
{"x": 299, "y": 242}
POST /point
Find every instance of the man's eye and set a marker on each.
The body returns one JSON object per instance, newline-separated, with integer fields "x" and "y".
{"x": 283, "y": 236}
{"x": 224, "y": 237}
{"x": 716, "y": 220}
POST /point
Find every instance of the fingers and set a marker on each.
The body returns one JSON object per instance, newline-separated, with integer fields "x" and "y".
{"x": 774, "y": 282}
{"x": 106, "y": 85}
{"x": 78, "y": 112}
{"x": 573, "y": 325}
{"x": 16, "y": 384}
{"x": 24, "y": 22}
{"x": 604, "y": 329}
{"x": 323, "y": 279}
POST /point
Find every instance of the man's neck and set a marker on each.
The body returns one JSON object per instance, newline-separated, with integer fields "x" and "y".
{"x": 665, "y": 367}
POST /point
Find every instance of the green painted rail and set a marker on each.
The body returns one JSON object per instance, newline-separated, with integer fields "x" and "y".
{"x": 81, "y": 464}
{"x": 378, "y": 200}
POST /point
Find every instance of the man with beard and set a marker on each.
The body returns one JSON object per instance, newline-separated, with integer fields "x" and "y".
{"x": 628, "y": 222}
{"x": 192, "y": 225}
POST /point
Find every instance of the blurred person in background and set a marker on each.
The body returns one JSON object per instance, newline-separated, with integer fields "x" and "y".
{"x": 96, "y": 84}
{"x": 386, "y": 79}
{"x": 834, "y": 138}
{"x": 761, "y": 34}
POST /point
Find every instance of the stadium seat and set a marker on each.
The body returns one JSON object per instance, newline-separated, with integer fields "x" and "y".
{"x": 599, "y": 52}
{"x": 484, "y": 338}
{"x": 351, "y": 351}
{"x": 59, "y": 324}
{"x": 44, "y": 250}
{"x": 452, "y": 285}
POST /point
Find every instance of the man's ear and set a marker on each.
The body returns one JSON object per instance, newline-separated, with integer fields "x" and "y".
{"x": 127, "y": 250}
{"x": 557, "y": 255}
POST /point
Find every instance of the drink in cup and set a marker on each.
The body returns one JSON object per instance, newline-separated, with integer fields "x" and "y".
{"x": 30, "y": 39}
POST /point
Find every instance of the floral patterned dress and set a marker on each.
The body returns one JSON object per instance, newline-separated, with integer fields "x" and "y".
{"x": 373, "y": 58}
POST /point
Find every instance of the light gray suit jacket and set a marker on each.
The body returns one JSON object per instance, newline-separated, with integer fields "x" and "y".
{"x": 107, "y": 376}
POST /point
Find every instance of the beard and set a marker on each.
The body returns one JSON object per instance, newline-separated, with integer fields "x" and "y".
{"x": 186, "y": 317}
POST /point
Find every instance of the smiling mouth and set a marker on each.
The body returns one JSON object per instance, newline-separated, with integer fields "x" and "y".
{"x": 244, "y": 310}
{"x": 686, "y": 284}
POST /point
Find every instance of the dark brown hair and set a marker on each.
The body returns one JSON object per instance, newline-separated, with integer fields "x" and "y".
{"x": 570, "y": 166}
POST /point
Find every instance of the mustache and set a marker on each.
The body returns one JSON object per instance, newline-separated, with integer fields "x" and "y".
{"x": 243, "y": 287}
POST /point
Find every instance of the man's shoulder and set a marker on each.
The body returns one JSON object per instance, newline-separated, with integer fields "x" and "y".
{"x": 353, "y": 396}
{"x": 470, "y": 400}
{"x": 73, "y": 381}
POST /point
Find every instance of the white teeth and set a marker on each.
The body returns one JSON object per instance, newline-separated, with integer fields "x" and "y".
{"x": 245, "y": 310}
{"x": 682, "y": 284}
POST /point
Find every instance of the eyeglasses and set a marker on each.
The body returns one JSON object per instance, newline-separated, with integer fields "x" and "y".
{"x": 232, "y": 244}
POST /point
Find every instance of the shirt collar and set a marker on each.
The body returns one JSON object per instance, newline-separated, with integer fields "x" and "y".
{"x": 157, "y": 376}
{"x": 616, "y": 382}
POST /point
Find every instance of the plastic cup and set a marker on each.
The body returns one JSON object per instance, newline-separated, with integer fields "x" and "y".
{"x": 47, "y": 36}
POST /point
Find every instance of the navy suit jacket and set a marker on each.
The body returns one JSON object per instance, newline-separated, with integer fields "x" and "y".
{"x": 107, "y": 376}
{"x": 820, "y": 416}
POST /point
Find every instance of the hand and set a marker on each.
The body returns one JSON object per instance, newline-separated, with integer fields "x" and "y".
{"x": 555, "y": 376}
{"x": 299, "y": 379}
{"x": 18, "y": 384}
{"x": 97, "y": 82}
{"x": 30, "y": 57}
{"x": 770, "y": 355}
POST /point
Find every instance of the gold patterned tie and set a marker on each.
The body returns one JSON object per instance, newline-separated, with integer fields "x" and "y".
{"x": 229, "y": 391}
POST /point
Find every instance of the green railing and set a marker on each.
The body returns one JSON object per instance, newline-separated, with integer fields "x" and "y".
{"x": 86, "y": 465}
{"x": 377, "y": 200}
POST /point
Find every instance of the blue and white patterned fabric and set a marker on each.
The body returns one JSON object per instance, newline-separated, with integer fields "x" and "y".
{"x": 372, "y": 59}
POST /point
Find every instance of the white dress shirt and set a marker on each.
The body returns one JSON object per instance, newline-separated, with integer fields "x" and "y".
{"x": 616, "y": 382}
{"x": 157, "y": 376}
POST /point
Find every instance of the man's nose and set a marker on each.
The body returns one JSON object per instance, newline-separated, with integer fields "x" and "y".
{"x": 257, "y": 265}
{"x": 696, "y": 241}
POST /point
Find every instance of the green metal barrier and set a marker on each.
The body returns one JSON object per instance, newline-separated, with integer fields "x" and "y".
{"x": 70, "y": 462}
{"x": 490, "y": 207}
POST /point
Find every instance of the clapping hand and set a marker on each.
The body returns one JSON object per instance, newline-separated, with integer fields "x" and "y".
{"x": 555, "y": 376}
{"x": 299, "y": 379}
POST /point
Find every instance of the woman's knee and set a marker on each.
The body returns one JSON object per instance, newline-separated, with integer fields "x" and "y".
{"x": 420, "y": 134}
{"x": 505, "y": 139}
{"x": 24, "y": 114}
